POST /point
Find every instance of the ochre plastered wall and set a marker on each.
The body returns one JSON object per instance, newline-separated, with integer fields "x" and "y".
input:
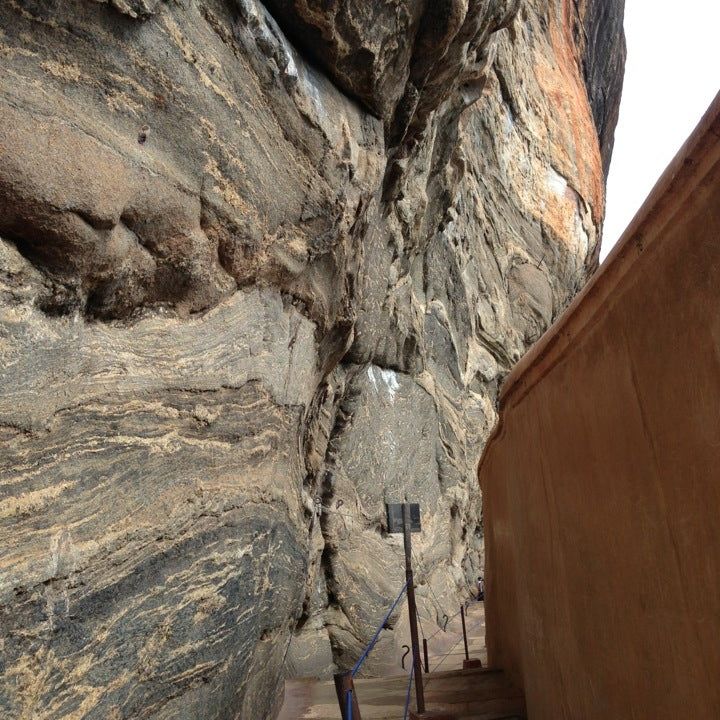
{"x": 601, "y": 485}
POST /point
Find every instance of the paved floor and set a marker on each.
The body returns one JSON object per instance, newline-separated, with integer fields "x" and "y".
{"x": 469, "y": 694}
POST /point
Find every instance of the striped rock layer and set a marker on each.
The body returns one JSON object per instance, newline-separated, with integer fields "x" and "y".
{"x": 262, "y": 269}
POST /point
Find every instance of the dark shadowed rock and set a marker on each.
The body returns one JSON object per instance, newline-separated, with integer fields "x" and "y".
{"x": 603, "y": 65}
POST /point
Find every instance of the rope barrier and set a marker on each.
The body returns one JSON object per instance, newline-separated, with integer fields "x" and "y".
{"x": 445, "y": 656}
{"x": 319, "y": 509}
{"x": 426, "y": 572}
{"x": 435, "y": 597}
{"x": 449, "y": 652}
{"x": 409, "y": 687}
{"x": 443, "y": 629}
{"x": 371, "y": 645}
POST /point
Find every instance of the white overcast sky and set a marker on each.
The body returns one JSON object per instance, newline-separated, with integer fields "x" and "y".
{"x": 671, "y": 76}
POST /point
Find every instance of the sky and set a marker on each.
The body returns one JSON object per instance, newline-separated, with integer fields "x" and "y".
{"x": 671, "y": 76}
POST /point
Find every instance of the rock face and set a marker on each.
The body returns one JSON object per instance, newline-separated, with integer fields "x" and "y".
{"x": 262, "y": 268}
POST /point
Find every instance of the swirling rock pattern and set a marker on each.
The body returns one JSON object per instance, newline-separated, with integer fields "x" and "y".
{"x": 262, "y": 269}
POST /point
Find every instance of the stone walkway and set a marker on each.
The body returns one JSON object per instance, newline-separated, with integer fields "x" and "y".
{"x": 477, "y": 694}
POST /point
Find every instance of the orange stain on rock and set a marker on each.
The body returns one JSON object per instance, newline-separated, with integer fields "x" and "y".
{"x": 572, "y": 130}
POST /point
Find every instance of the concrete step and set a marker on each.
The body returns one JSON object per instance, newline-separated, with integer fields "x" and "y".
{"x": 477, "y": 694}
{"x": 474, "y": 693}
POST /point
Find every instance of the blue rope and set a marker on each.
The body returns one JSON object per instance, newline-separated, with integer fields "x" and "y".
{"x": 407, "y": 694}
{"x": 377, "y": 633}
{"x": 348, "y": 705}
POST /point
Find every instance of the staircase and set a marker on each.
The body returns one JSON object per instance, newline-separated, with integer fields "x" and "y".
{"x": 476, "y": 694}
{"x": 450, "y": 691}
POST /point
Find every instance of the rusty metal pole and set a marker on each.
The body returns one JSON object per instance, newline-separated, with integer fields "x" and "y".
{"x": 343, "y": 685}
{"x": 462, "y": 617}
{"x": 425, "y": 653}
{"x": 412, "y": 611}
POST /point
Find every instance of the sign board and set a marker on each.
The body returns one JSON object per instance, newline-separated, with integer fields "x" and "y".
{"x": 395, "y": 517}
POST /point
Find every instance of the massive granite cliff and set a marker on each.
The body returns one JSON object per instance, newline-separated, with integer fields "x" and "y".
{"x": 262, "y": 268}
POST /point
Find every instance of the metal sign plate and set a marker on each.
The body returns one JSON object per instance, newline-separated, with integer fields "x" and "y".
{"x": 395, "y": 517}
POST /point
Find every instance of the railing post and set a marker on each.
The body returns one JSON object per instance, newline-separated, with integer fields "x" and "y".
{"x": 343, "y": 686}
{"x": 412, "y": 611}
{"x": 462, "y": 616}
{"x": 425, "y": 653}
{"x": 468, "y": 662}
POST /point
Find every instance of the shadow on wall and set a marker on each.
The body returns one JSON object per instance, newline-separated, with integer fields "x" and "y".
{"x": 600, "y": 484}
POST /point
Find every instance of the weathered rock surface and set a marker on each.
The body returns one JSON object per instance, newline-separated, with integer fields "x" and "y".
{"x": 262, "y": 268}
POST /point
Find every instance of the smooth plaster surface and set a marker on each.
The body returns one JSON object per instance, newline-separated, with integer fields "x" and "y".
{"x": 601, "y": 485}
